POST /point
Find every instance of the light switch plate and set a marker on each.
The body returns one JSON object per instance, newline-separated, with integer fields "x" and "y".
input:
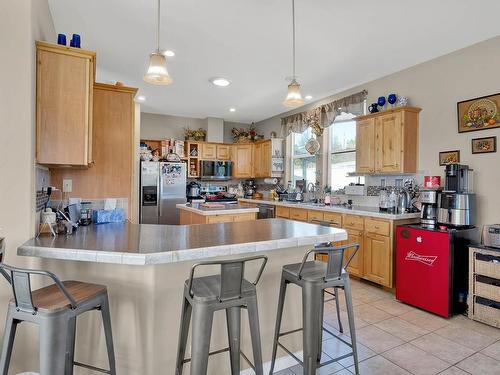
{"x": 67, "y": 186}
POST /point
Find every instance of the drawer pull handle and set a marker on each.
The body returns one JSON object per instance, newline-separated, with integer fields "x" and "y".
{"x": 376, "y": 227}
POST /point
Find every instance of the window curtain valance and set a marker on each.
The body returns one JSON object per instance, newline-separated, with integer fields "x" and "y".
{"x": 323, "y": 116}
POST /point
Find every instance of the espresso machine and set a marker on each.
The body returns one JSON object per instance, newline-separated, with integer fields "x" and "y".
{"x": 456, "y": 203}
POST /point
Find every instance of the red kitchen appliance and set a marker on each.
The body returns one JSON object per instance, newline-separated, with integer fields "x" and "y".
{"x": 432, "y": 268}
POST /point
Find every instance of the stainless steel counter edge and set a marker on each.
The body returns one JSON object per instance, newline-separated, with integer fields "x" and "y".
{"x": 215, "y": 211}
{"x": 342, "y": 210}
{"x": 173, "y": 256}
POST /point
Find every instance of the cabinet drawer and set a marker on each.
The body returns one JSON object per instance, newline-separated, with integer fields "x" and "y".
{"x": 314, "y": 215}
{"x": 283, "y": 212}
{"x": 223, "y": 152}
{"x": 298, "y": 214}
{"x": 244, "y": 217}
{"x": 377, "y": 226}
{"x": 333, "y": 218}
{"x": 354, "y": 222}
{"x": 220, "y": 219}
{"x": 487, "y": 265}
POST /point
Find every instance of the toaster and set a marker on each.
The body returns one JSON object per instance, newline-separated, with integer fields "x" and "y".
{"x": 491, "y": 235}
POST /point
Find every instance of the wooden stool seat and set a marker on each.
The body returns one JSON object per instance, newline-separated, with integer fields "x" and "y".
{"x": 51, "y": 299}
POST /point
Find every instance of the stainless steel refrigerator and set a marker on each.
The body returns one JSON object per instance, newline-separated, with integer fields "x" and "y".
{"x": 163, "y": 185}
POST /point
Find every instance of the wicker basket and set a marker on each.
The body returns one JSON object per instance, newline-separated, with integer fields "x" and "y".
{"x": 485, "y": 268}
{"x": 487, "y": 291}
{"x": 486, "y": 314}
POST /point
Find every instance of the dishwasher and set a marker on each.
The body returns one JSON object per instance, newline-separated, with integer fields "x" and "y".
{"x": 266, "y": 211}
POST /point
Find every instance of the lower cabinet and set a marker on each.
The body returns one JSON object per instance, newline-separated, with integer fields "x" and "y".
{"x": 378, "y": 259}
{"x": 282, "y": 212}
{"x": 187, "y": 218}
{"x": 357, "y": 263}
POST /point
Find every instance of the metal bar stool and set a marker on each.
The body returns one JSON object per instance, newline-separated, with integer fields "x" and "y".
{"x": 313, "y": 277}
{"x": 55, "y": 309}
{"x": 228, "y": 291}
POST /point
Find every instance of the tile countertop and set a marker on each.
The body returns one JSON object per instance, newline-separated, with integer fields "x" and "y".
{"x": 228, "y": 209}
{"x": 355, "y": 210}
{"x": 144, "y": 244}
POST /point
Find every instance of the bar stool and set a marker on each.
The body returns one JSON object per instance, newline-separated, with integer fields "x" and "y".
{"x": 203, "y": 296}
{"x": 54, "y": 309}
{"x": 314, "y": 277}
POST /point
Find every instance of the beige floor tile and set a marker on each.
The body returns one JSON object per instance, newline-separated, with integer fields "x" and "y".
{"x": 465, "y": 336}
{"x": 343, "y": 372}
{"x": 378, "y": 365}
{"x": 332, "y": 368}
{"x": 392, "y": 306}
{"x": 369, "y": 296}
{"x": 332, "y": 320}
{"x": 363, "y": 353}
{"x": 453, "y": 371}
{"x": 415, "y": 360}
{"x": 335, "y": 348}
{"x": 482, "y": 328}
{"x": 401, "y": 328}
{"x": 493, "y": 350}
{"x": 377, "y": 339}
{"x": 371, "y": 314}
{"x": 480, "y": 364}
{"x": 443, "y": 348}
{"x": 425, "y": 320}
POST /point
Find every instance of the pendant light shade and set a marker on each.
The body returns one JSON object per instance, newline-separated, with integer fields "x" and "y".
{"x": 157, "y": 73}
{"x": 293, "y": 97}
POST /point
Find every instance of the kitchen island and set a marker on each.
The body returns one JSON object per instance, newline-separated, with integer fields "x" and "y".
{"x": 144, "y": 268}
{"x": 209, "y": 213}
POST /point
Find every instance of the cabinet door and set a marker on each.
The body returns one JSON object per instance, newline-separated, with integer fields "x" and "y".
{"x": 389, "y": 146}
{"x": 209, "y": 151}
{"x": 257, "y": 160}
{"x": 266, "y": 159}
{"x": 365, "y": 146}
{"x": 244, "y": 217}
{"x": 242, "y": 155}
{"x": 220, "y": 219}
{"x": 223, "y": 152}
{"x": 377, "y": 259}
{"x": 64, "y": 109}
{"x": 283, "y": 212}
{"x": 356, "y": 265}
{"x": 299, "y": 214}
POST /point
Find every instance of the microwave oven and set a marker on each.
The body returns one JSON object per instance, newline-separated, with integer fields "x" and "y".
{"x": 215, "y": 170}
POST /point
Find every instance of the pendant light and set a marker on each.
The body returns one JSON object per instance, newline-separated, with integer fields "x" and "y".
{"x": 293, "y": 98}
{"x": 157, "y": 73}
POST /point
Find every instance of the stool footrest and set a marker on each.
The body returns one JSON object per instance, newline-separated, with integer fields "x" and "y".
{"x": 90, "y": 367}
{"x": 252, "y": 366}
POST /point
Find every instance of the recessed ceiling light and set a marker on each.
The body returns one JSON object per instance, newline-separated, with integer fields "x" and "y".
{"x": 232, "y": 109}
{"x": 308, "y": 97}
{"x": 219, "y": 81}
{"x": 140, "y": 99}
{"x": 169, "y": 53}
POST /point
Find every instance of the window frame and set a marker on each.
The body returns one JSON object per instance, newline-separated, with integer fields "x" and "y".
{"x": 303, "y": 156}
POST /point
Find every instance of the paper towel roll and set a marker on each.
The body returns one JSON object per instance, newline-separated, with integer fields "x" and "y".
{"x": 271, "y": 181}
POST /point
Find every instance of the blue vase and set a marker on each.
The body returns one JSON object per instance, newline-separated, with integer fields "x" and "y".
{"x": 391, "y": 98}
{"x": 381, "y": 101}
{"x": 61, "y": 39}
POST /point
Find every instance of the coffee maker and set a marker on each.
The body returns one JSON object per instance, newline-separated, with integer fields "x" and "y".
{"x": 456, "y": 203}
{"x": 429, "y": 210}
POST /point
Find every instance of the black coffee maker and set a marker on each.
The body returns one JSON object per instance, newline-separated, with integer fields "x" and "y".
{"x": 458, "y": 178}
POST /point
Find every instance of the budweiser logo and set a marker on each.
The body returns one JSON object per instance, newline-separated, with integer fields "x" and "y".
{"x": 425, "y": 259}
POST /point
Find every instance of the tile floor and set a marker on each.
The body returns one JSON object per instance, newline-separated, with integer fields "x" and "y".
{"x": 395, "y": 339}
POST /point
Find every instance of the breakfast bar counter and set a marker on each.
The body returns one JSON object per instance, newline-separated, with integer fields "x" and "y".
{"x": 145, "y": 266}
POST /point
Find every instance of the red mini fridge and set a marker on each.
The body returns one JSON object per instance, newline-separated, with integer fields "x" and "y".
{"x": 432, "y": 268}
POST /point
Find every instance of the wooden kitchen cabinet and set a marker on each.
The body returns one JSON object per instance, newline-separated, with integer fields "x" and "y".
{"x": 283, "y": 212}
{"x": 365, "y": 146}
{"x": 263, "y": 157}
{"x": 315, "y": 216}
{"x": 356, "y": 265}
{"x": 209, "y": 151}
{"x": 266, "y": 159}
{"x": 299, "y": 214}
{"x": 64, "y": 98}
{"x": 242, "y": 161}
{"x": 257, "y": 160}
{"x": 378, "y": 259}
{"x": 387, "y": 142}
{"x": 223, "y": 152}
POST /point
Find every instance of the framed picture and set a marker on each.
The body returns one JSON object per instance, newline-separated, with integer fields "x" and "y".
{"x": 449, "y": 157}
{"x": 484, "y": 145}
{"x": 479, "y": 114}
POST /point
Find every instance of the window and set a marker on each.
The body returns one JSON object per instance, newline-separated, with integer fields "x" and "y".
{"x": 303, "y": 163}
{"x": 343, "y": 150}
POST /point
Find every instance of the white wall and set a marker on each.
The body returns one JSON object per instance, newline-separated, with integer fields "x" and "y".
{"x": 155, "y": 126}
{"x": 436, "y": 86}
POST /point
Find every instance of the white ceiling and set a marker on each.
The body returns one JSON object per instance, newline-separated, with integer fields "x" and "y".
{"x": 340, "y": 44}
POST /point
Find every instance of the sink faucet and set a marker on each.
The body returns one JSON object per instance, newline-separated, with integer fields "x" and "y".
{"x": 311, "y": 188}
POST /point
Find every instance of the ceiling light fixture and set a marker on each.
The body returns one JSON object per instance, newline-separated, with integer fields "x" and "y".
{"x": 157, "y": 73}
{"x": 140, "y": 99}
{"x": 219, "y": 81}
{"x": 232, "y": 109}
{"x": 293, "y": 98}
{"x": 308, "y": 97}
{"x": 169, "y": 53}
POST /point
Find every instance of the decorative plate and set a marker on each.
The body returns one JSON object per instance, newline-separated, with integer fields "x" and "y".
{"x": 312, "y": 146}
{"x": 479, "y": 106}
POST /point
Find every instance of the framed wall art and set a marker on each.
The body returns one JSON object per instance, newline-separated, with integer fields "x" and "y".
{"x": 484, "y": 145}
{"x": 479, "y": 114}
{"x": 449, "y": 157}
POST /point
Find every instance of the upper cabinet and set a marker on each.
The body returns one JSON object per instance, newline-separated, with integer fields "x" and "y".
{"x": 268, "y": 158}
{"x": 223, "y": 152}
{"x": 387, "y": 142}
{"x": 65, "y": 78}
{"x": 242, "y": 160}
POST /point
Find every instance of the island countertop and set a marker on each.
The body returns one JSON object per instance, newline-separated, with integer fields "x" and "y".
{"x": 227, "y": 209}
{"x": 143, "y": 244}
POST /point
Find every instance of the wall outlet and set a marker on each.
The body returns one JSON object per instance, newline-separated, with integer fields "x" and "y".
{"x": 67, "y": 186}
